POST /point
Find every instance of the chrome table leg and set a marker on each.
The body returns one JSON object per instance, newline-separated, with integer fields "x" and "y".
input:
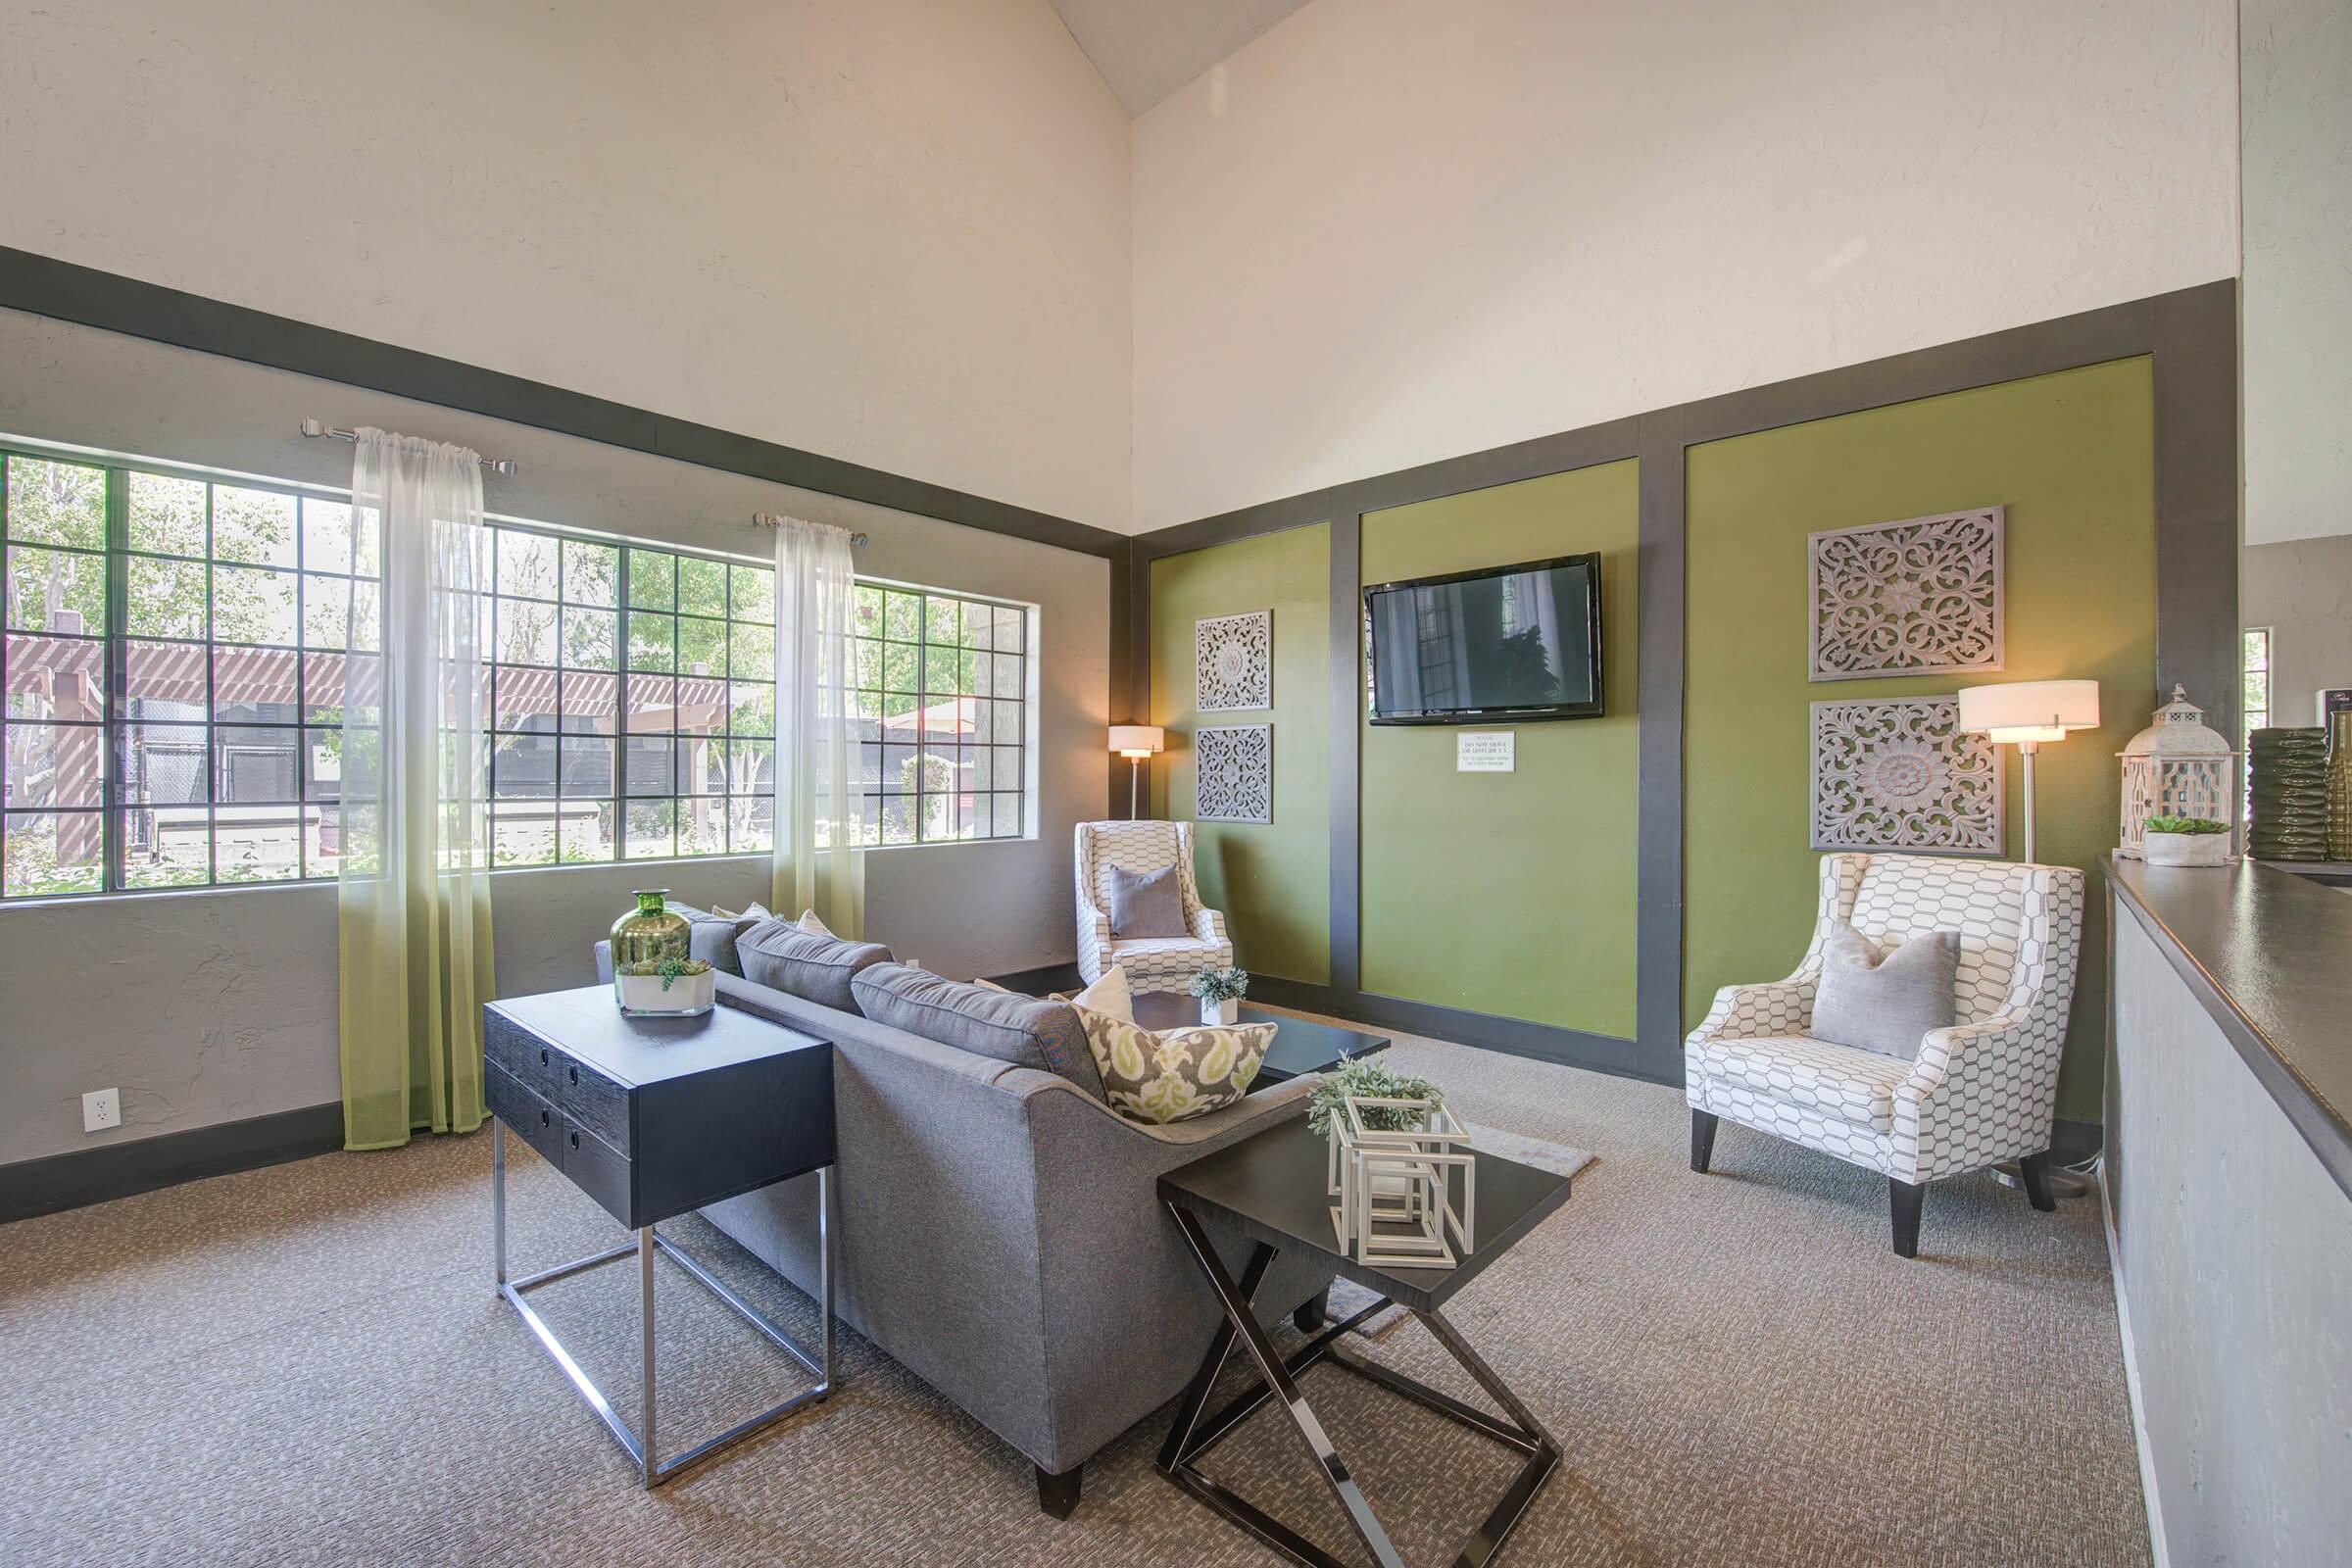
{"x": 648, "y": 1446}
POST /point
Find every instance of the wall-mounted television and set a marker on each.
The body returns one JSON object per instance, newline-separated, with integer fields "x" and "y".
{"x": 1501, "y": 645}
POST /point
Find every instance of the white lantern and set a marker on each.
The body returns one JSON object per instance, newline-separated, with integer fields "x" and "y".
{"x": 2177, "y": 766}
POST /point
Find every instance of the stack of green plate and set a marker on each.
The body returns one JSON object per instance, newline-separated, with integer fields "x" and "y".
{"x": 2288, "y": 771}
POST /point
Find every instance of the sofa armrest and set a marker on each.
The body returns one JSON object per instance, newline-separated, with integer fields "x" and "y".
{"x": 1208, "y": 925}
{"x": 1127, "y": 1314}
{"x": 1998, "y": 1108}
{"x": 1774, "y": 1007}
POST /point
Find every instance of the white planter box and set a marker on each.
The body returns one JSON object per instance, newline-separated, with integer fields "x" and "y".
{"x": 641, "y": 995}
{"x": 2185, "y": 848}
{"x": 1224, "y": 1013}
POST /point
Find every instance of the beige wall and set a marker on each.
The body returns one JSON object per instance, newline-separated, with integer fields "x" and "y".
{"x": 892, "y": 232}
{"x": 212, "y": 1006}
{"x": 1391, "y": 231}
{"x": 2303, "y": 592}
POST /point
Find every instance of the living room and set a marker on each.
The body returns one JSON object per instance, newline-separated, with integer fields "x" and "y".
{"x": 1268, "y": 658}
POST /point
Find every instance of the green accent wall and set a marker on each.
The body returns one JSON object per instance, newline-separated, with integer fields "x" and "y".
{"x": 1272, "y": 880}
{"x": 1509, "y": 893}
{"x": 2073, "y": 457}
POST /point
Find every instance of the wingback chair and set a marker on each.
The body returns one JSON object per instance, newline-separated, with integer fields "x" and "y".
{"x": 1152, "y": 963}
{"x": 1980, "y": 1092}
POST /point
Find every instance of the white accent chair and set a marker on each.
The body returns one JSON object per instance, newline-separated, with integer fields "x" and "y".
{"x": 1152, "y": 963}
{"x": 1981, "y": 1091}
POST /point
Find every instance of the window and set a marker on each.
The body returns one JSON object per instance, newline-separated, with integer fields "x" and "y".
{"x": 178, "y": 659}
{"x": 584, "y": 633}
{"x": 191, "y": 670}
{"x": 942, "y": 688}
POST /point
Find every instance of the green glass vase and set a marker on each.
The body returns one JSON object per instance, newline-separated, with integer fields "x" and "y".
{"x": 646, "y": 934}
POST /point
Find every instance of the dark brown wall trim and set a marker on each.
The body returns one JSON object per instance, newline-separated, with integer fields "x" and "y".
{"x": 2191, "y": 337}
{"x": 46, "y": 286}
{"x": 118, "y": 1169}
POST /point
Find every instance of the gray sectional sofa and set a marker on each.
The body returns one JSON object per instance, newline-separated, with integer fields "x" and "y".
{"x": 1001, "y": 1236}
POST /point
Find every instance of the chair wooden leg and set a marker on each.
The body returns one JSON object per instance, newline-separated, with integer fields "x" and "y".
{"x": 1311, "y": 1312}
{"x": 1703, "y": 1140}
{"x": 1902, "y": 1199}
{"x": 1057, "y": 1494}
{"x": 2033, "y": 1173}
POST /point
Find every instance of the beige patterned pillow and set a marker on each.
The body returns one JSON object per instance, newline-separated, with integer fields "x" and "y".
{"x": 1177, "y": 1075}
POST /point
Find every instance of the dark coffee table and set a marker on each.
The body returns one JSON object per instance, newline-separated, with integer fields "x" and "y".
{"x": 1300, "y": 1045}
{"x": 1272, "y": 1187}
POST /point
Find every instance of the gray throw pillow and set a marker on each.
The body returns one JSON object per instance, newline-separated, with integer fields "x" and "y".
{"x": 780, "y": 955}
{"x": 1885, "y": 1001}
{"x": 711, "y": 936}
{"x": 1002, "y": 1024}
{"x": 1146, "y": 903}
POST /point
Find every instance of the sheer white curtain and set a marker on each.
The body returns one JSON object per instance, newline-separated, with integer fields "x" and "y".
{"x": 414, "y": 891}
{"x": 817, "y": 799}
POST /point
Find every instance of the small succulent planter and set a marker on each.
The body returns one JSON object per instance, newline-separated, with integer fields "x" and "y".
{"x": 1220, "y": 992}
{"x": 2184, "y": 841}
{"x": 668, "y": 988}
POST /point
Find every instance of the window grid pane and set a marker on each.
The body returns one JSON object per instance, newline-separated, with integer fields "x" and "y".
{"x": 633, "y": 700}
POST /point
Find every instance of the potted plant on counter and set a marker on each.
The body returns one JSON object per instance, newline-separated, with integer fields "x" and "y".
{"x": 668, "y": 987}
{"x": 1220, "y": 992}
{"x": 2186, "y": 841}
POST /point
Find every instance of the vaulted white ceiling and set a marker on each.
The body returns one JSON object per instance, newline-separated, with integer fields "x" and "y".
{"x": 1146, "y": 49}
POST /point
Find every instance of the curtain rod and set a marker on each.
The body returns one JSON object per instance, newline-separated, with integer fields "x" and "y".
{"x": 768, "y": 519}
{"x": 315, "y": 427}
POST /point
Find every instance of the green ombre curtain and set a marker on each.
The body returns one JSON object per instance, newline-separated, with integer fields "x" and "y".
{"x": 817, "y": 865}
{"x": 413, "y": 890}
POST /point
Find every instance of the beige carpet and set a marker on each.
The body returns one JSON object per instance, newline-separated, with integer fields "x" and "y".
{"x": 307, "y": 1366}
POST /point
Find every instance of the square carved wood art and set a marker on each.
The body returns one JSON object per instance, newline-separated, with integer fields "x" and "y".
{"x": 1900, "y": 773}
{"x": 1234, "y": 774}
{"x": 1912, "y": 598}
{"x": 1234, "y": 662}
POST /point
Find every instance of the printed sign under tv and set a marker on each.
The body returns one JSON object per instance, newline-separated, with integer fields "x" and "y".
{"x": 1503, "y": 644}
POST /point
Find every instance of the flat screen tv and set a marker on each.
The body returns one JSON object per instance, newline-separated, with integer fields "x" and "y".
{"x": 1503, "y": 644}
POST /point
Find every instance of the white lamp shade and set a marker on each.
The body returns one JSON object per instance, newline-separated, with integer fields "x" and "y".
{"x": 1137, "y": 740}
{"x": 2030, "y": 710}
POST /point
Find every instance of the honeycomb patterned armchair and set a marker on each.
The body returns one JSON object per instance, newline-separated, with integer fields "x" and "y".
{"x": 1980, "y": 1092}
{"x": 1152, "y": 963}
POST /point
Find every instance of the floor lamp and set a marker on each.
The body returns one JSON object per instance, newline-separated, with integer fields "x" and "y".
{"x": 2025, "y": 713}
{"x": 1135, "y": 742}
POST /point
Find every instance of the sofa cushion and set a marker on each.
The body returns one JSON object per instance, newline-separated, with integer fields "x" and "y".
{"x": 1176, "y": 1074}
{"x": 710, "y": 936}
{"x": 1000, "y": 1024}
{"x": 1146, "y": 903}
{"x": 780, "y": 955}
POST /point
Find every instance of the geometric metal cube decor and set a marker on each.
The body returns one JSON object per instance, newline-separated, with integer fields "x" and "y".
{"x": 1233, "y": 659}
{"x": 1395, "y": 1187}
{"x": 1919, "y": 597}
{"x": 1233, "y": 773}
{"x": 1900, "y": 773}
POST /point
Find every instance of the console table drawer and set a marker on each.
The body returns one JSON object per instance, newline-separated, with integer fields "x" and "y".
{"x": 593, "y": 1166}
{"x": 572, "y": 1087}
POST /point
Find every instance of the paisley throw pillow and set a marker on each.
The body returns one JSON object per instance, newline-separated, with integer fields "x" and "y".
{"x": 1177, "y": 1075}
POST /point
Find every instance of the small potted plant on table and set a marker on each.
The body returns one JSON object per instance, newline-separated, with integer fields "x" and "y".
{"x": 2186, "y": 841}
{"x": 668, "y": 987}
{"x": 1220, "y": 992}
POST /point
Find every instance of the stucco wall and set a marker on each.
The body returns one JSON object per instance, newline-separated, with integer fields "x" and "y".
{"x": 210, "y": 1007}
{"x": 1387, "y": 231}
{"x": 892, "y": 232}
{"x": 2234, "y": 1247}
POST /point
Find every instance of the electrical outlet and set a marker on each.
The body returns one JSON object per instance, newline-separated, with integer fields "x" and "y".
{"x": 101, "y": 1109}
